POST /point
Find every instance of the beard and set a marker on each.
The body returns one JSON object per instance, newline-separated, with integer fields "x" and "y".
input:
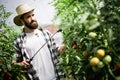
{"x": 32, "y": 25}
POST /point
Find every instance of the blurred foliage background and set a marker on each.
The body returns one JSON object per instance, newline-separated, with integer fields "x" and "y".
{"x": 8, "y": 71}
{"x": 91, "y": 30}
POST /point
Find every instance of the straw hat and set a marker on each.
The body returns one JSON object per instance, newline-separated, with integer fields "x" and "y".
{"x": 21, "y": 9}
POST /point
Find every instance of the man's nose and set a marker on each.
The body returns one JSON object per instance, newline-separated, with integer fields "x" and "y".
{"x": 33, "y": 18}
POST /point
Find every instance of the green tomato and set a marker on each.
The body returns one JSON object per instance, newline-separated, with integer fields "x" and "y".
{"x": 95, "y": 69}
{"x": 107, "y": 59}
{"x": 100, "y": 64}
{"x": 92, "y": 34}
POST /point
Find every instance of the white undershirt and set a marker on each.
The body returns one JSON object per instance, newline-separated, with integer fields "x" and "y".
{"x": 42, "y": 61}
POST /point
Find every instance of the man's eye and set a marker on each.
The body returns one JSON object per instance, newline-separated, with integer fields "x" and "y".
{"x": 33, "y": 15}
{"x": 28, "y": 16}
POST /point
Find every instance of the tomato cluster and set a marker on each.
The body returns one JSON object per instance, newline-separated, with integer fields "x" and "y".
{"x": 76, "y": 46}
{"x": 100, "y": 60}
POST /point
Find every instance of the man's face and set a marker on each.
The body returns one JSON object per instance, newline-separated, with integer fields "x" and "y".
{"x": 30, "y": 21}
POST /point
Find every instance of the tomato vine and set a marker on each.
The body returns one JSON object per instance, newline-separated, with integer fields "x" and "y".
{"x": 80, "y": 18}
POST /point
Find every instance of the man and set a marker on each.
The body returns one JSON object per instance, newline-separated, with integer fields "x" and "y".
{"x": 43, "y": 65}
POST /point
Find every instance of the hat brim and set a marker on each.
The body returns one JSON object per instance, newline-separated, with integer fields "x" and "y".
{"x": 17, "y": 18}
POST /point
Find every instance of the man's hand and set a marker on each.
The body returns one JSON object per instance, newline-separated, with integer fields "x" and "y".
{"x": 25, "y": 63}
{"x": 62, "y": 48}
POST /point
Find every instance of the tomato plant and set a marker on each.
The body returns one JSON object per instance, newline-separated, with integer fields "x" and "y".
{"x": 78, "y": 19}
{"x": 8, "y": 71}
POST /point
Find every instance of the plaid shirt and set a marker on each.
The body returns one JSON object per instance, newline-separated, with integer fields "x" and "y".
{"x": 21, "y": 55}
